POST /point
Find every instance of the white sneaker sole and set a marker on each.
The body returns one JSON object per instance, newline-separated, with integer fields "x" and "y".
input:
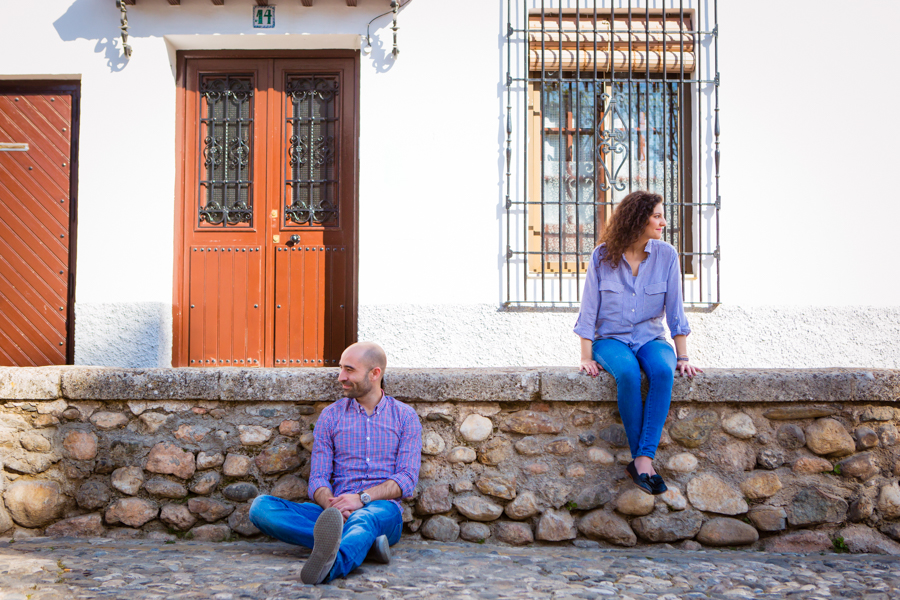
{"x": 327, "y": 535}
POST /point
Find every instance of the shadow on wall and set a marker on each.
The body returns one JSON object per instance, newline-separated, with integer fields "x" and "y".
{"x": 98, "y": 20}
{"x": 123, "y": 334}
{"x": 84, "y": 20}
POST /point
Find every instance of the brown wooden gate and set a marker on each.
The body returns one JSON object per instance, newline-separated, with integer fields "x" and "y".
{"x": 266, "y": 272}
{"x": 38, "y": 149}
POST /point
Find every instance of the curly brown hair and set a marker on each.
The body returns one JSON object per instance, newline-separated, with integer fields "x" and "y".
{"x": 627, "y": 223}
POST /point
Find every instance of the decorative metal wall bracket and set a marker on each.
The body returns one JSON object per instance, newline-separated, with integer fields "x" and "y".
{"x": 396, "y": 7}
{"x": 126, "y": 49}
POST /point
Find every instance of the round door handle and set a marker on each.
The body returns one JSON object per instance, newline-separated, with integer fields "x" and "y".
{"x": 294, "y": 239}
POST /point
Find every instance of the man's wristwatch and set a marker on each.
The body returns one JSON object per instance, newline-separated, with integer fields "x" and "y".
{"x": 365, "y": 498}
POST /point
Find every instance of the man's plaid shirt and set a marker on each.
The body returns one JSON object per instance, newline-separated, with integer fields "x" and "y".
{"x": 354, "y": 451}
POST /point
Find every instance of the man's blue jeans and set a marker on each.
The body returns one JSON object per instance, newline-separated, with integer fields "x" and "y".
{"x": 643, "y": 421}
{"x": 293, "y": 522}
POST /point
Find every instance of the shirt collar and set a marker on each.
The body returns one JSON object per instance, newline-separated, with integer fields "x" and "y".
{"x": 650, "y": 246}
{"x": 358, "y": 407}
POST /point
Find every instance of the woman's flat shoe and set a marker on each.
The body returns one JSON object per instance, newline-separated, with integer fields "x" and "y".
{"x": 658, "y": 485}
{"x": 642, "y": 480}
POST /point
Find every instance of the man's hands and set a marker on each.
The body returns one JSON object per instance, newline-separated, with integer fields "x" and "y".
{"x": 346, "y": 503}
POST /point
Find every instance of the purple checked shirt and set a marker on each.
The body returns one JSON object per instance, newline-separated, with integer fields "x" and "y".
{"x": 354, "y": 451}
{"x": 617, "y": 305}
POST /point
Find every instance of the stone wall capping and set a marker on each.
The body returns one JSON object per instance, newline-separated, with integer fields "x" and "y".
{"x": 548, "y": 384}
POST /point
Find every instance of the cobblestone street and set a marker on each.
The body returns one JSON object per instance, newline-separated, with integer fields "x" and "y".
{"x": 42, "y": 569}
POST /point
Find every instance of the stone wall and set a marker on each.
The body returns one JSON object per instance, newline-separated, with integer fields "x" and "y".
{"x": 784, "y": 460}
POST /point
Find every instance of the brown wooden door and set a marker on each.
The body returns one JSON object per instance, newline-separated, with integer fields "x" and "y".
{"x": 268, "y": 254}
{"x": 36, "y": 220}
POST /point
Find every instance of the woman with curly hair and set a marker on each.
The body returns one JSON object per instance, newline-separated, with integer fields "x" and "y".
{"x": 633, "y": 280}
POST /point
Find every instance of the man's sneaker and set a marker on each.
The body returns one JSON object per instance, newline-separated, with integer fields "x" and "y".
{"x": 380, "y": 551}
{"x": 327, "y": 540}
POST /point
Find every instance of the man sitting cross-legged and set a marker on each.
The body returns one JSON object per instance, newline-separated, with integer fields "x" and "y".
{"x": 367, "y": 450}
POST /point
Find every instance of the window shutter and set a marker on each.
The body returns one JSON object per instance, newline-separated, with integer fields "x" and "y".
{"x": 653, "y": 46}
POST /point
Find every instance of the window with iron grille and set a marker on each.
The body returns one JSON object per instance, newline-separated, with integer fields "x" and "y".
{"x": 603, "y": 101}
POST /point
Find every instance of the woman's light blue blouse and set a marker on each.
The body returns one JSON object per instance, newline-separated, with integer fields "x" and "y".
{"x": 620, "y": 306}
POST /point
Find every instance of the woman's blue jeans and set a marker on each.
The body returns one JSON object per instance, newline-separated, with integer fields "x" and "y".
{"x": 643, "y": 421}
{"x": 293, "y": 522}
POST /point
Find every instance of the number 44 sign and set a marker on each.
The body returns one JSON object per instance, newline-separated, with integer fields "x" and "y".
{"x": 263, "y": 17}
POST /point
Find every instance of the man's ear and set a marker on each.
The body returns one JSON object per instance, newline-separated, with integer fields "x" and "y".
{"x": 376, "y": 373}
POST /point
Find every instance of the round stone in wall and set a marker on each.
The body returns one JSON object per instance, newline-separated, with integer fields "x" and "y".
{"x": 739, "y": 425}
{"x": 889, "y": 501}
{"x": 133, "y": 512}
{"x": 635, "y": 501}
{"x": 92, "y": 495}
{"x": 441, "y": 528}
{"x": 239, "y": 521}
{"x": 474, "y": 532}
{"x": 768, "y": 518}
{"x": 827, "y": 436}
{"x": 791, "y": 436}
{"x": 291, "y": 487}
{"x": 159, "y": 486}
{"x": 525, "y": 505}
{"x": 205, "y": 482}
{"x": 682, "y": 463}
{"x": 34, "y": 503}
{"x": 674, "y": 499}
{"x": 177, "y": 516}
{"x": 128, "y": 480}
{"x": 477, "y": 508}
{"x": 723, "y": 531}
{"x": 513, "y": 533}
{"x": 80, "y": 445}
{"x": 761, "y": 485}
{"x": 236, "y": 465}
{"x": 709, "y": 493}
{"x": 604, "y": 525}
{"x": 434, "y": 499}
{"x": 476, "y": 428}
{"x": 556, "y": 526}
{"x": 529, "y": 446}
{"x": 668, "y": 527}
{"x": 461, "y": 454}
{"x": 601, "y": 457}
{"x": 241, "y": 491}
{"x": 432, "y": 443}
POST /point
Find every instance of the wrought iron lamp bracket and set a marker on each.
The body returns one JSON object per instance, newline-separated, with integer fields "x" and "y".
{"x": 126, "y": 49}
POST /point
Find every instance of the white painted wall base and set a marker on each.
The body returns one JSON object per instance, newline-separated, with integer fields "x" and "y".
{"x": 727, "y": 337}
{"x": 123, "y": 334}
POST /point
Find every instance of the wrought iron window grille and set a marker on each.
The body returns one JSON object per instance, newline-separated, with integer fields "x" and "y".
{"x": 312, "y": 121}
{"x": 601, "y": 100}
{"x": 226, "y": 129}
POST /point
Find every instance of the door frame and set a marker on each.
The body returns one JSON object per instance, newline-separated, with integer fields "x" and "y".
{"x": 73, "y": 87}
{"x": 184, "y": 197}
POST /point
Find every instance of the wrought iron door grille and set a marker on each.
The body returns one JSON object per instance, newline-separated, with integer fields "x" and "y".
{"x": 604, "y": 100}
{"x": 312, "y": 178}
{"x": 226, "y": 131}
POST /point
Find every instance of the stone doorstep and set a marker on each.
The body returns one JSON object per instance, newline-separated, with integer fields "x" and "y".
{"x": 78, "y": 383}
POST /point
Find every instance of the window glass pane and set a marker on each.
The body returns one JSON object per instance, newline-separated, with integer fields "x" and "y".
{"x": 646, "y": 119}
{"x": 226, "y": 128}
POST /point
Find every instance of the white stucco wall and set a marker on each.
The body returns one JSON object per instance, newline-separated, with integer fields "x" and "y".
{"x": 807, "y": 247}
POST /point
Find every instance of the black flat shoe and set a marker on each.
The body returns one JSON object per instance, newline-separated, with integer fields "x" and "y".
{"x": 642, "y": 480}
{"x": 658, "y": 485}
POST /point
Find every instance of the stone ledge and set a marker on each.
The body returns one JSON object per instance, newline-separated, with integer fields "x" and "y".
{"x": 561, "y": 384}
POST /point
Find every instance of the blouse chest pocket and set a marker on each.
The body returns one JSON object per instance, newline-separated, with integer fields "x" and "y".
{"x": 654, "y": 299}
{"x": 611, "y": 293}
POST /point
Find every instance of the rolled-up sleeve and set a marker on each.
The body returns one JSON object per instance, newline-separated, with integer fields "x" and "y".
{"x": 409, "y": 455}
{"x": 675, "y": 317}
{"x": 322, "y": 453}
{"x": 586, "y": 325}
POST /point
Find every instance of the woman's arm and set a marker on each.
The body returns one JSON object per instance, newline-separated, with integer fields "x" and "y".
{"x": 588, "y": 364}
{"x": 684, "y": 365}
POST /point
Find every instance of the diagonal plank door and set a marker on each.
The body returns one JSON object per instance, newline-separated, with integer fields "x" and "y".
{"x": 35, "y": 204}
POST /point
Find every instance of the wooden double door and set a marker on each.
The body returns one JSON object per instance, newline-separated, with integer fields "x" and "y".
{"x": 266, "y": 268}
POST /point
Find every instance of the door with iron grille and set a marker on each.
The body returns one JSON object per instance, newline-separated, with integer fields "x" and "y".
{"x": 38, "y": 149}
{"x": 268, "y": 255}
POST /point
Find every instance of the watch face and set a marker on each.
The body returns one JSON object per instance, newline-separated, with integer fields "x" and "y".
{"x": 365, "y": 498}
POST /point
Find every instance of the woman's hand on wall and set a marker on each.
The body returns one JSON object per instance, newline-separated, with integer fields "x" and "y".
{"x": 591, "y": 367}
{"x": 687, "y": 369}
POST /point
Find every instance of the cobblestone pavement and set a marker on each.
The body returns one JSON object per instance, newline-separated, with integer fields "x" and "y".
{"x": 43, "y": 569}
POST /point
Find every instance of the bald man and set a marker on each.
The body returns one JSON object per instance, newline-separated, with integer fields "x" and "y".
{"x": 366, "y": 455}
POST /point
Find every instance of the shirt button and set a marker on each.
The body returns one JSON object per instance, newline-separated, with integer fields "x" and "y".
{"x": 632, "y": 293}
{"x": 632, "y": 310}
{"x": 367, "y": 439}
{"x": 367, "y": 460}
